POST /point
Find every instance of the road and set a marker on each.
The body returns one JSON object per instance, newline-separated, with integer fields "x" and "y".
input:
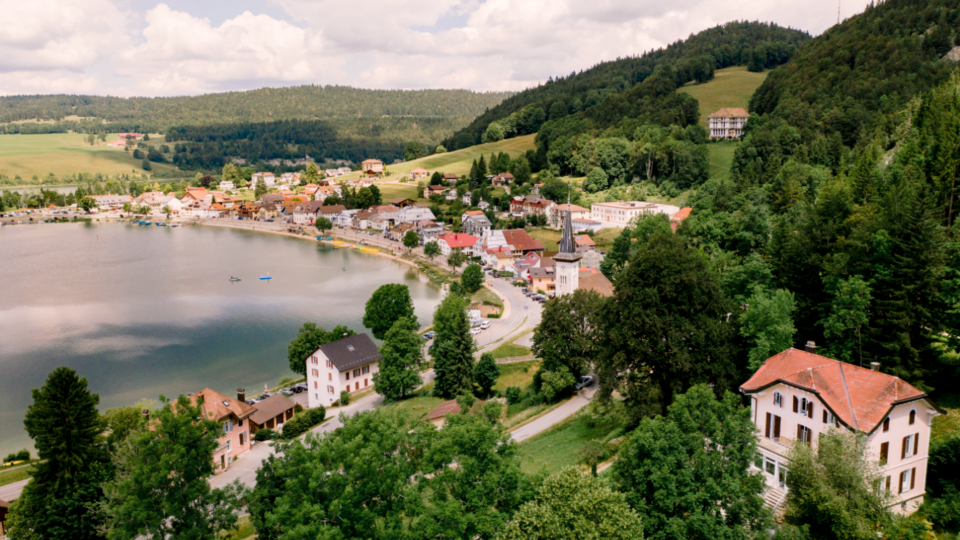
{"x": 554, "y": 417}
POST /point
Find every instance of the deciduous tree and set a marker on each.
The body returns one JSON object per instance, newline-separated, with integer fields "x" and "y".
{"x": 162, "y": 489}
{"x": 323, "y": 225}
{"x": 402, "y": 352}
{"x": 389, "y": 304}
{"x": 472, "y": 278}
{"x": 431, "y": 249}
{"x": 411, "y": 239}
{"x": 568, "y": 334}
{"x": 768, "y": 324}
{"x": 309, "y": 338}
{"x": 688, "y": 473}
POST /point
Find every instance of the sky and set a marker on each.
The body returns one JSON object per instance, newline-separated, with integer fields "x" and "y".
{"x": 189, "y": 47}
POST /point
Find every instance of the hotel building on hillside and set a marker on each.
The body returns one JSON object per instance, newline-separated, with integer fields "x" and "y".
{"x": 796, "y": 395}
{"x": 728, "y": 123}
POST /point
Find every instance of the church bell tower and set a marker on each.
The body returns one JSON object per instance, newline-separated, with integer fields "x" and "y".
{"x": 568, "y": 260}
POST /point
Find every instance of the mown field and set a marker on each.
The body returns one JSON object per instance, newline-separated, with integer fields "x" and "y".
{"x": 730, "y": 87}
{"x": 63, "y": 154}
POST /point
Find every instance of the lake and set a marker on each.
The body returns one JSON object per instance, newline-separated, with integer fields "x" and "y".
{"x": 145, "y": 311}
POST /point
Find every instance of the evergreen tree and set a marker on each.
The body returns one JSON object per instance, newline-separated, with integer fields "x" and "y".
{"x": 452, "y": 348}
{"x": 402, "y": 352}
{"x": 485, "y": 373}
{"x": 59, "y": 503}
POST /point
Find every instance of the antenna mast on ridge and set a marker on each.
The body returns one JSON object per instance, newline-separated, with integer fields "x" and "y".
{"x": 838, "y": 11}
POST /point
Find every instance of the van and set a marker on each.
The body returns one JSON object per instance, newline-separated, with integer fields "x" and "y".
{"x": 484, "y": 325}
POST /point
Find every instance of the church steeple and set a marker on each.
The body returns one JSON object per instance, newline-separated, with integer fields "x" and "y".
{"x": 568, "y": 260}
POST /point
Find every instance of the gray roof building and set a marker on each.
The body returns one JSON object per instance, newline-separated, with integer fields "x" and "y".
{"x": 351, "y": 352}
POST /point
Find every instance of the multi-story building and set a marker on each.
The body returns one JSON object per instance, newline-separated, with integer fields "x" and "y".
{"x": 621, "y": 213}
{"x": 344, "y": 365}
{"x": 797, "y": 395}
{"x": 728, "y": 123}
{"x": 372, "y": 166}
{"x": 232, "y": 414}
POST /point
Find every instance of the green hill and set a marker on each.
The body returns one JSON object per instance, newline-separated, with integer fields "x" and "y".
{"x": 872, "y": 63}
{"x": 730, "y": 87}
{"x": 753, "y": 44}
{"x": 264, "y": 105}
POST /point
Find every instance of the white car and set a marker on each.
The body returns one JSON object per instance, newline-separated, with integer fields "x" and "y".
{"x": 484, "y": 325}
{"x": 475, "y": 331}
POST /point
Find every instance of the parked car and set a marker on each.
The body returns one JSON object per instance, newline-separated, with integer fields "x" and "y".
{"x": 584, "y": 382}
{"x": 475, "y": 330}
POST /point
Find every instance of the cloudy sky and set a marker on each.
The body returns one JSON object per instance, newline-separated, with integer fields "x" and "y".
{"x": 146, "y": 48}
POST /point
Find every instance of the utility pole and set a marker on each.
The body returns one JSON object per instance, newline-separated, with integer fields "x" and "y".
{"x": 838, "y": 10}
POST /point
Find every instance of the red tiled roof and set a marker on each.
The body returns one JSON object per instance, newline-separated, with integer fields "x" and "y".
{"x": 474, "y": 212}
{"x": 584, "y": 240}
{"x": 683, "y": 214}
{"x": 459, "y": 240}
{"x": 521, "y": 241}
{"x": 859, "y": 397}
{"x": 590, "y": 279}
{"x": 217, "y": 406}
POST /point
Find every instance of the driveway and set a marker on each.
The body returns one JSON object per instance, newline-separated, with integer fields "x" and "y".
{"x": 554, "y": 417}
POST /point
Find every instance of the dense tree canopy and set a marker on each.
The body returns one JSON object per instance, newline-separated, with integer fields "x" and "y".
{"x": 388, "y": 304}
{"x": 399, "y": 369}
{"x": 309, "y": 338}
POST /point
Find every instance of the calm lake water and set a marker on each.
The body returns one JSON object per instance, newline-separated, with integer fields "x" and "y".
{"x": 144, "y": 311}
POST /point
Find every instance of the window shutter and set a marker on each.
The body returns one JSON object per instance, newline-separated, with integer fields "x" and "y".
{"x": 799, "y": 432}
{"x": 916, "y": 442}
{"x": 884, "y": 453}
{"x": 796, "y": 404}
{"x": 810, "y": 409}
{"x": 886, "y": 424}
{"x": 776, "y": 427}
{"x": 913, "y": 477}
{"x": 824, "y": 416}
{"x": 900, "y": 490}
{"x": 888, "y": 483}
{"x": 913, "y": 417}
{"x": 903, "y": 450}
{"x": 766, "y": 432}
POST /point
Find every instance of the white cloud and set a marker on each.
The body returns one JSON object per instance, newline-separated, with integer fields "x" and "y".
{"x": 484, "y": 45}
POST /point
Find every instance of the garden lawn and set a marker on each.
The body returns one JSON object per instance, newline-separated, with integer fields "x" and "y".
{"x": 560, "y": 447}
{"x": 721, "y": 159}
{"x": 486, "y": 295}
{"x": 15, "y": 474}
{"x": 420, "y": 405}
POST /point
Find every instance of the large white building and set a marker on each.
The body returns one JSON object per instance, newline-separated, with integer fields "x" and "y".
{"x": 621, "y": 213}
{"x": 797, "y": 395}
{"x": 728, "y": 123}
{"x": 344, "y": 365}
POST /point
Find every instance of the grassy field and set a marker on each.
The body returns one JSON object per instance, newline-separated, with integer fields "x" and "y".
{"x": 63, "y": 154}
{"x": 15, "y": 474}
{"x": 730, "y": 87}
{"x": 721, "y": 158}
{"x": 486, "y": 295}
{"x": 560, "y": 446}
{"x": 420, "y": 405}
{"x": 509, "y": 350}
{"x": 517, "y": 374}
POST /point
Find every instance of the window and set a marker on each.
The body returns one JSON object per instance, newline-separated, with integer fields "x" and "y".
{"x": 314, "y": 360}
{"x": 769, "y": 466}
{"x": 348, "y": 375}
{"x": 315, "y": 373}
{"x": 356, "y": 373}
{"x": 806, "y": 407}
{"x": 243, "y": 437}
{"x": 329, "y": 376}
{"x": 365, "y": 383}
{"x": 907, "y": 480}
{"x": 886, "y": 424}
{"x": 228, "y": 445}
{"x": 330, "y": 389}
{"x": 240, "y": 422}
{"x": 777, "y": 399}
{"x": 804, "y": 434}
{"x": 329, "y": 364}
{"x": 913, "y": 416}
{"x": 365, "y": 370}
{"x": 782, "y": 477}
{"x": 228, "y": 426}
{"x": 887, "y": 481}
{"x": 885, "y": 455}
{"x": 773, "y": 426}
{"x": 910, "y": 444}
{"x": 796, "y": 404}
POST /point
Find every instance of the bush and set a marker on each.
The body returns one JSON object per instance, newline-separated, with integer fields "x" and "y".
{"x": 23, "y": 455}
{"x": 514, "y": 395}
{"x": 303, "y": 422}
{"x": 493, "y": 316}
{"x": 554, "y": 383}
{"x": 265, "y": 435}
{"x": 344, "y": 398}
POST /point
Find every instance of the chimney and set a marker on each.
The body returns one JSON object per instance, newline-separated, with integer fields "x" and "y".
{"x": 345, "y": 335}
{"x": 874, "y": 366}
{"x": 241, "y": 394}
{"x": 810, "y": 347}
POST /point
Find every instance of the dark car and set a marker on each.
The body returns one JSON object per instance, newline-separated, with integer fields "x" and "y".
{"x": 584, "y": 382}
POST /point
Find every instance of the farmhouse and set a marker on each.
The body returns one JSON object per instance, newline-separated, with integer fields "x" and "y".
{"x": 346, "y": 365}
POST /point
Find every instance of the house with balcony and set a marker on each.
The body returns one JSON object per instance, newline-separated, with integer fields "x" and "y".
{"x": 374, "y": 166}
{"x": 475, "y": 222}
{"x": 728, "y": 123}
{"x": 232, "y": 415}
{"x": 797, "y": 395}
{"x": 344, "y": 365}
{"x": 462, "y": 241}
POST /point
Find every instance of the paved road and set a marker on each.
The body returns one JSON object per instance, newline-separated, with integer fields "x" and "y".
{"x": 554, "y": 417}
{"x": 10, "y": 492}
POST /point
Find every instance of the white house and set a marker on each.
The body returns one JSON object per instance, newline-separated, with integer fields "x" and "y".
{"x": 728, "y": 123}
{"x": 158, "y": 204}
{"x": 268, "y": 178}
{"x": 797, "y": 395}
{"x": 450, "y": 242}
{"x": 344, "y": 365}
{"x": 621, "y": 213}
{"x": 110, "y": 202}
{"x": 345, "y": 218}
{"x": 306, "y": 213}
{"x": 467, "y": 198}
{"x": 451, "y": 195}
{"x": 413, "y": 214}
{"x": 225, "y": 185}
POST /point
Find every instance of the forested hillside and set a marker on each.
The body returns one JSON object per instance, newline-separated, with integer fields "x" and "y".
{"x": 263, "y": 105}
{"x": 756, "y": 45}
{"x": 873, "y": 63}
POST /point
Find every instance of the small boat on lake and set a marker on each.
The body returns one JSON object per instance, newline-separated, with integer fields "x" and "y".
{"x": 234, "y": 279}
